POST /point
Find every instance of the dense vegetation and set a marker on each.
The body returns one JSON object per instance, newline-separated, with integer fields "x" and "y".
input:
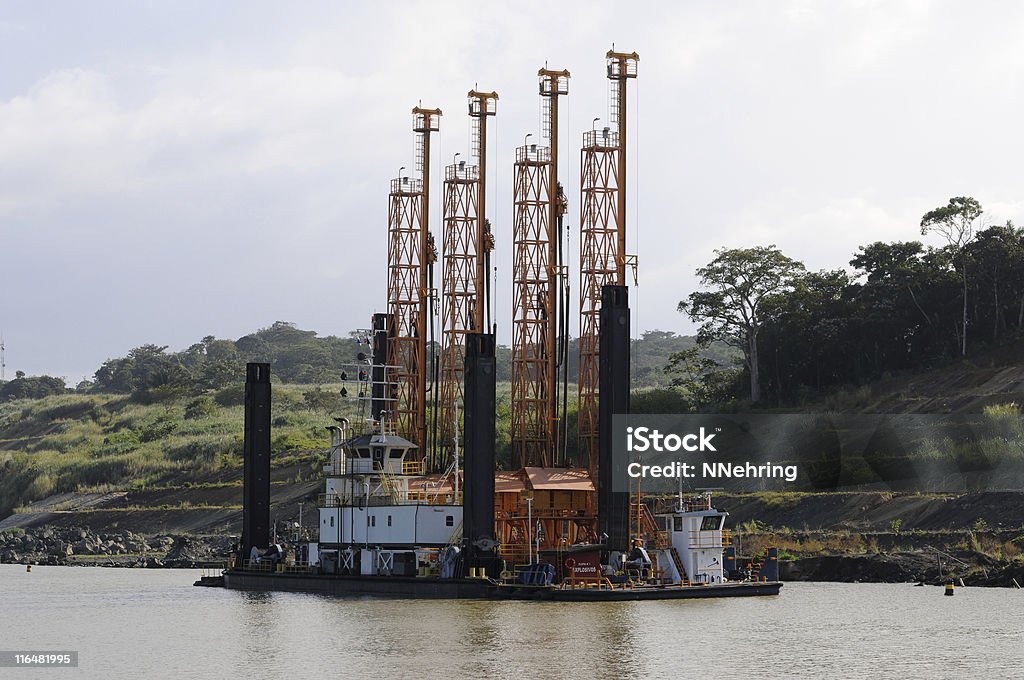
{"x": 905, "y": 306}
{"x": 151, "y": 374}
{"x": 34, "y": 387}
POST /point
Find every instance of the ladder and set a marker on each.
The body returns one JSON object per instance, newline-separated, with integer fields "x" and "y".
{"x": 389, "y": 485}
{"x": 679, "y": 565}
{"x": 456, "y": 536}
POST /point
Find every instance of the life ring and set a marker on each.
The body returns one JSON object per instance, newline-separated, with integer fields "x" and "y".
{"x": 570, "y": 563}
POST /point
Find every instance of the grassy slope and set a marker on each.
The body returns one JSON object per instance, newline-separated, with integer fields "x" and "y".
{"x": 89, "y": 443}
{"x": 105, "y": 443}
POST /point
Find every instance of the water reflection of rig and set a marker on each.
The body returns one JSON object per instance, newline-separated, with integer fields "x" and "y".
{"x": 414, "y": 502}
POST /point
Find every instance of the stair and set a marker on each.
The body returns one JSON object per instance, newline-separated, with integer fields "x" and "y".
{"x": 679, "y": 565}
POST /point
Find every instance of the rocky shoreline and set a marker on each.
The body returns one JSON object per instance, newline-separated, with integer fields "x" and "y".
{"x": 79, "y": 546}
{"x": 904, "y": 567}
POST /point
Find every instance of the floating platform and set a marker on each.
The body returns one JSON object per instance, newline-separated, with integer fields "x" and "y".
{"x": 476, "y": 588}
{"x": 358, "y": 585}
{"x": 637, "y": 592}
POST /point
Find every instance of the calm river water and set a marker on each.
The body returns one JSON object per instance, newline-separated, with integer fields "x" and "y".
{"x": 129, "y": 623}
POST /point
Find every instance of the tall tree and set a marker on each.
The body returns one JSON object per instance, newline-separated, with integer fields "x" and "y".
{"x": 740, "y": 279}
{"x": 955, "y": 223}
{"x": 997, "y": 257}
{"x": 805, "y": 335}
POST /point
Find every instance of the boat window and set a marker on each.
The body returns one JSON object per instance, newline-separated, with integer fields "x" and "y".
{"x": 712, "y": 523}
{"x": 678, "y": 524}
{"x": 332, "y": 520}
{"x": 449, "y": 521}
{"x": 389, "y": 520}
{"x": 373, "y": 520}
{"x": 395, "y": 453}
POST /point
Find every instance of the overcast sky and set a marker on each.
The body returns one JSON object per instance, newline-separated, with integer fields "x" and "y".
{"x": 173, "y": 170}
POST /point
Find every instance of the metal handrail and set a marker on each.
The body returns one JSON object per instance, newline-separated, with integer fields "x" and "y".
{"x": 601, "y": 139}
{"x": 545, "y": 514}
{"x": 406, "y": 185}
{"x": 715, "y": 538}
{"x": 334, "y": 500}
{"x": 533, "y": 153}
{"x": 414, "y": 467}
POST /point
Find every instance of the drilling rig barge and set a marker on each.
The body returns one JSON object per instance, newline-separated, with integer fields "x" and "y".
{"x": 546, "y": 531}
{"x": 388, "y": 529}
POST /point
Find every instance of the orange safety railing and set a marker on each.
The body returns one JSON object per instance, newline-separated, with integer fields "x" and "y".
{"x": 434, "y": 498}
{"x": 567, "y": 514}
{"x": 710, "y": 539}
{"x": 649, "y": 529}
{"x": 514, "y": 553}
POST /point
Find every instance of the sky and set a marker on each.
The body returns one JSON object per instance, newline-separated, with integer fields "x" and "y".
{"x": 175, "y": 170}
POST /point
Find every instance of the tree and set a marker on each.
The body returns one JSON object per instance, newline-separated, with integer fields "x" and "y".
{"x": 691, "y": 372}
{"x": 955, "y": 222}
{"x": 35, "y": 387}
{"x": 740, "y": 280}
{"x": 904, "y": 316}
{"x": 805, "y": 337}
{"x": 996, "y": 255}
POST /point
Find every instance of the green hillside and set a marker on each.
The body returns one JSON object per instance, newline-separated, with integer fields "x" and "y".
{"x": 160, "y": 419}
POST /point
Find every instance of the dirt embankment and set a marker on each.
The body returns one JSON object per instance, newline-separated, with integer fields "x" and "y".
{"x": 886, "y": 537}
{"x": 877, "y": 511}
{"x": 182, "y": 525}
{"x": 924, "y": 566}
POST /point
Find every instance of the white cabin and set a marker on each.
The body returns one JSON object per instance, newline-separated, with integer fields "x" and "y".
{"x": 696, "y": 532}
{"x": 377, "y": 504}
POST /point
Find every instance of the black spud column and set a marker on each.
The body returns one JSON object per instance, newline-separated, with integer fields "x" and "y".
{"x": 256, "y": 454}
{"x": 613, "y": 399}
{"x": 479, "y": 413}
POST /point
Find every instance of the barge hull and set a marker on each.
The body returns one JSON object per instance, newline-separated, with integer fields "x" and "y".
{"x": 372, "y": 586}
{"x": 741, "y": 589}
{"x": 435, "y": 588}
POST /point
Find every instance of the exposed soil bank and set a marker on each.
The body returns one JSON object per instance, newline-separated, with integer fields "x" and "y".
{"x": 847, "y": 537}
{"x": 916, "y": 567}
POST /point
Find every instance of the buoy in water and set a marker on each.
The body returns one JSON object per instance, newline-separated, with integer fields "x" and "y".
{"x": 949, "y": 587}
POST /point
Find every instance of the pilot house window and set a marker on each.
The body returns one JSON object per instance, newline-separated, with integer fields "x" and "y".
{"x": 711, "y": 523}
